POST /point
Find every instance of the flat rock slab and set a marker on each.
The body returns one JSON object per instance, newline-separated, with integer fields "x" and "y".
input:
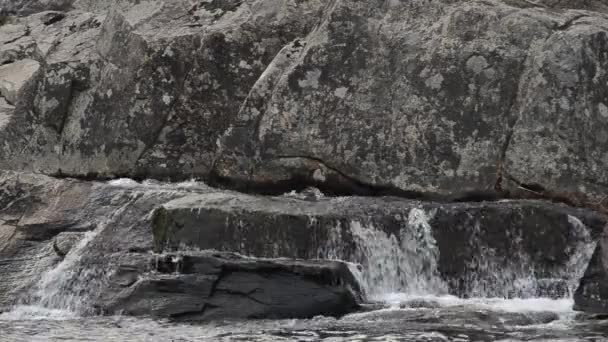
{"x": 213, "y": 285}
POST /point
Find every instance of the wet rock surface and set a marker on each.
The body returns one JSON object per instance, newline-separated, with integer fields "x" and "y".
{"x": 212, "y": 285}
{"x": 472, "y": 241}
{"x": 100, "y": 235}
{"x": 592, "y": 293}
{"x": 131, "y": 247}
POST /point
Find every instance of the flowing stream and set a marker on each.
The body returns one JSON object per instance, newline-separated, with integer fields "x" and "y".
{"x": 407, "y": 298}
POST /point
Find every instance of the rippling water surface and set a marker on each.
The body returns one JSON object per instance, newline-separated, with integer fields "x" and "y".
{"x": 399, "y": 318}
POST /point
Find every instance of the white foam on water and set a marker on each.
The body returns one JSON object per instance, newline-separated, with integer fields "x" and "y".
{"x": 33, "y": 312}
{"x": 124, "y": 183}
{"x": 128, "y": 183}
{"x": 562, "y": 305}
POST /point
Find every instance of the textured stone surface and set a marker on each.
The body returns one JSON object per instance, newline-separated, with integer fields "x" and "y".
{"x": 86, "y": 247}
{"x": 442, "y": 97}
{"x": 148, "y": 92}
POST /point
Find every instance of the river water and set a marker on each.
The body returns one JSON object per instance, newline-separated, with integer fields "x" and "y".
{"x": 406, "y": 300}
{"x": 402, "y": 318}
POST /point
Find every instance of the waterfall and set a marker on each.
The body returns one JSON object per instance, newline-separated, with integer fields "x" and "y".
{"x": 406, "y": 262}
{"x": 389, "y": 263}
{"x": 68, "y": 289}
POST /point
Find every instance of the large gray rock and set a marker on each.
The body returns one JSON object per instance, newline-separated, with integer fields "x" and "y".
{"x": 148, "y": 92}
{"x": 354, "y": 97}
{"x": 434, "y": 97}
{"x": 93, "y": 247}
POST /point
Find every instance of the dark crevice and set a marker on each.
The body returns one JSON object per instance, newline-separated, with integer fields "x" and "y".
{"x": 240, "y": 294}
{"x": 338, "y": 183}
{"x": 537, "y": 191}
{"x": 66, "y": 113}
{"x": 512, "y": 122}
{"x": 52, "y": 18}
{"x": 569, "y": 23}
{"x": 58, "y": 250}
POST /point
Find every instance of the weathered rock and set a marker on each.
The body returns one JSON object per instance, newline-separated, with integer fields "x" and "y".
{"x": 211, "y": 285}
{"x": 148, "y": 92}
{"x": 24, "y": 7}
{"x": 439, "y": 97}
{"x": 354, "y": 97}
{"x": 14, "y": 76}
{"x": 592, "y": 293}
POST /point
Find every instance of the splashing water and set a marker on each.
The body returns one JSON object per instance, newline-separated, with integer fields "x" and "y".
{"x": 67, "y": 290}
{"x": 395, "y": 268}
{"x": 390, "y": 264}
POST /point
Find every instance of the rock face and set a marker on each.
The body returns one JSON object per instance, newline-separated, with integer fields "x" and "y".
{"x": 357, "y": 97}
{"x": 592, "y": 293}
{"x": 442, "y": 97}
{"x": 86, "y": 247}
{"x": 443, "y": 100}
{"x": 144, "y": 89}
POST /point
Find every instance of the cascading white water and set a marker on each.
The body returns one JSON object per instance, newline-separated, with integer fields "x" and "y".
{"x": 392, "y": 264}
{"x": 390, "y": 267}
{"x": 66, "y": 290}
